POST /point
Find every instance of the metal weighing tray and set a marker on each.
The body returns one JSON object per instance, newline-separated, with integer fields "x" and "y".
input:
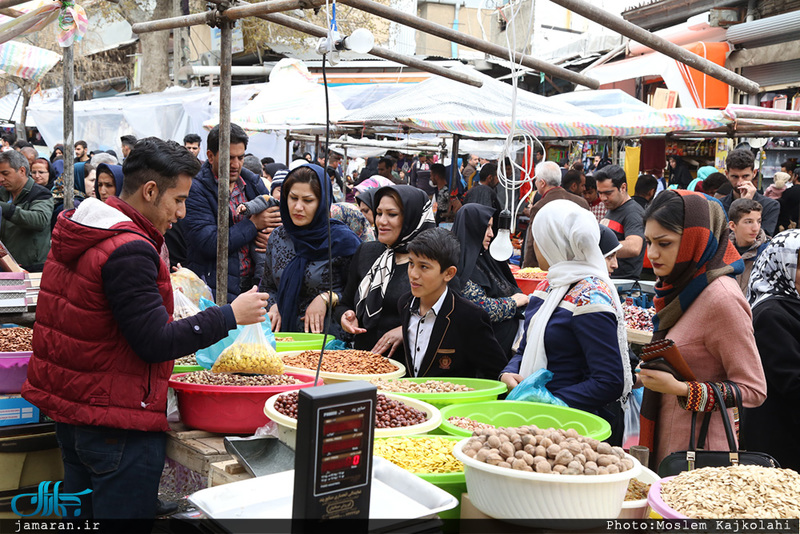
{"x": 260, "y": 456}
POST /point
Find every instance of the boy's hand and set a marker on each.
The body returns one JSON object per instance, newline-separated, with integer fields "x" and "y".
{"x": 389, "y": 341}
{"x": 511, "y": 380}
{"x": 249, "y": 307}
{"x": 241, "y": 208}
{"x": 349, "y": 323}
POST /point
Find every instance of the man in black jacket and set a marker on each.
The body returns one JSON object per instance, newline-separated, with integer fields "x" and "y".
{"x": 444, "y": 334}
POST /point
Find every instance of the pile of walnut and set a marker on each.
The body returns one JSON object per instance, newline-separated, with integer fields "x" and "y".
{"x": 560, "y": 452}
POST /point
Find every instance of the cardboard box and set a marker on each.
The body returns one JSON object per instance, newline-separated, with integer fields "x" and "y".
{"x": 664, "y": 98}
{"x": 14, "y": 410}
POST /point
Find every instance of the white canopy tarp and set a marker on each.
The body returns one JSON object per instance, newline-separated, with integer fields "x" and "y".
{"x": 604, "y": 102}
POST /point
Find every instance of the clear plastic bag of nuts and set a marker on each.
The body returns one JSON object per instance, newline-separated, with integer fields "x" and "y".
{"x": 183, "y": 306}
{"x": 250, "y": 353}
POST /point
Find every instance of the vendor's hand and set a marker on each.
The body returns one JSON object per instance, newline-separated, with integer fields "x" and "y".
{"x": 249, "y": 307}
{"x": 662, "y": 382}
{"x": 521, "y": 300}
{"x": 177, "y": 266}
{"x": 349, "y": 323}
{"x": 511, "y": 380}
{"x": 315, "y": 315}
{"x": 389, "y": 341}
{"x": 747, "y": 189}
{"x": 275, "y": 318}
{"x": 261, "y": 241}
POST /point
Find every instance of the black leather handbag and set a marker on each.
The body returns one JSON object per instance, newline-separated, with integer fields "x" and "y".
{"x": 694, "y": 458}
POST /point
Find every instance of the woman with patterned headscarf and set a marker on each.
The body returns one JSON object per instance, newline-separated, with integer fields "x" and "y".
{"x": 379, "y": 270}
{"x": 700, "y": 307}
{"x": 774, "y": 427}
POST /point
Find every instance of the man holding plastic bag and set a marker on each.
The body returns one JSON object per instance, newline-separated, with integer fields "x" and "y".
{"x": 105, "y": 384}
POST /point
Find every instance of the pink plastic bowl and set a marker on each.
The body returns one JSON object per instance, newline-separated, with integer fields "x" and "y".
{"x": 657, "y": 503}
{"x": 13, "y": 370}
{"x": 229, "y": 409}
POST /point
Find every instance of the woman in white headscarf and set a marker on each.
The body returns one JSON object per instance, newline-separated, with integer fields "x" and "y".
{"x": 574, "y": 323}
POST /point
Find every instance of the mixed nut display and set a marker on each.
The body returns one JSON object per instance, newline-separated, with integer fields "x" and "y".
{"x": 560, "y": 452}
{"x": 352, "y": 362}
{"x": 389, "y": 413}
{"x": 422, "y": 455}
{"x": 17, "y": 339}
{"x": 531, "y": 273}
{"x": 468, "y": 424}
{"x": 429, "y": 386}
{"x": 229, "y": 379}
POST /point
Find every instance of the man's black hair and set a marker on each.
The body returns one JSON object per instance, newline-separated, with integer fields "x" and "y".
{"x": 490, "y": 169}
{"x": 569, "y": 178}
{"x": 128, "y": 140}
{"x": 714, "y": 181}
{"x": 8, "y": 138}
{"x": 789, "y": 165}
{"x": 191, "y": 138}
{"x": 439, "y": 245}
{"x": 645, "y": 184}
{"x": 82, "y": 143}
{"x": 21, "y": 143}
{"x": 388, "y": 162}
{"x": 267, "y": 160}
{"x": 237, "y": 137}
{"x": 162, "y": 162}
{"x": 439, "y": 170}
{"x": 740, "y": 159}
{"x": 591, "y": 183}
{"x": 613, "y": 173}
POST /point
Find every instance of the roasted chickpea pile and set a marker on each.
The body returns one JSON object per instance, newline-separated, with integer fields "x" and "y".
{"x": 637, "y": 490}
{"x": 389, "y": 413}
{"x": 186, "y": 360}
{"x": 561, "y": 452}
{"x": 420, "y": 454}
{"x": 468, "y": 424}
{"x": 352, "y": 362}
{"x": 228, "y": 379}
{"x": 16, "y": 339}
{"x": 429, "y": 386}
{"x": 284, "y": 339}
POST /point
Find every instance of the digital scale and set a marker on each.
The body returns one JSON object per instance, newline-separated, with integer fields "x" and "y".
{"x": 333, "y": 454}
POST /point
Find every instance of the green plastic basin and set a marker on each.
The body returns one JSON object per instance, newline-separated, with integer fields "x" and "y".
{"x": 517, "y": 413}
{"x": 485, "y": 390}
{"x": 302, "y": 341}
{"x": 453, "y": 483}
{"x": 186, "y": 369}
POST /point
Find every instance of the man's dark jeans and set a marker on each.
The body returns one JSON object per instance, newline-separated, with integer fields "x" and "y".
{"x": 121, "y": 467}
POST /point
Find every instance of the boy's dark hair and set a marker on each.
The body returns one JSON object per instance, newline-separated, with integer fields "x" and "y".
{"x": 439, "y": 170}
{"x": 237, "y": 137}
{"x": 645, "y": 184}
{"x": 714, "y": 181}
{"x": 741, "y": 207}
{"x": 570, "y": 177}
{"x": 439, "y": 245}
{"x": 8, "y": 138}
{"x": 82, "y": 143}
{"x": 490, "y": 169}
{"x": 191, "y": 138}
{"x": 268, "y": 160}
{"x": 153, "y": 159}
{"x": 388, "y": 162}
{"x": 591, "y": 183}
{"x": 128, "y": 140}
{"x": 789, "y": 165}
{"x": 667, "y": 210}
{"x": 613, "y": 173}
{"x": 740, "y": 159}
{"x": 21, "y": 143}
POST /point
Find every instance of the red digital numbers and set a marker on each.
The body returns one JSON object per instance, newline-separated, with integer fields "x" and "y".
{"x": 356, "y": 459}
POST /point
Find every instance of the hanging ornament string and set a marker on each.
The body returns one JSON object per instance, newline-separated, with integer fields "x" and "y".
{"x": 72, "y": 23}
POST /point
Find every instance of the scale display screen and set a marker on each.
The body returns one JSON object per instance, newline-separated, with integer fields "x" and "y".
{"x": 343, "y": 435}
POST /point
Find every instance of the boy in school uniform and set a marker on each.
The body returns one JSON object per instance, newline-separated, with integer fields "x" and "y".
{"x": 444, "y": 334}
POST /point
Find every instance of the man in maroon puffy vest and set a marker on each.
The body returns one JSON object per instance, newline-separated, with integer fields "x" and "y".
{"x": 104, "y": 338}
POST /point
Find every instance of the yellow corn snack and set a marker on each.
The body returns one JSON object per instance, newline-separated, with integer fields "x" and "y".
{"x": 249, "y": 358}
{"x": 424, "y": 455}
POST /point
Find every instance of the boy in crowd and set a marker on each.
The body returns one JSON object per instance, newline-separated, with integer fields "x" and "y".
{"x": 444, "y": 334}
{"x": 747, "y": 235}
{"x": 596, "y": 205}
{"x": 740, "y": 169}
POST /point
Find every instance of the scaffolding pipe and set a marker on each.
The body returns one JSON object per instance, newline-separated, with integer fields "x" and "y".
{"x": 69, "y": 127}
{"x": 635, "y": 33}
{"x": 223, "y": 194}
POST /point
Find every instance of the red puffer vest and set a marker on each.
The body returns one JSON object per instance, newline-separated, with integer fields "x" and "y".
{"x": 83, "y": 371}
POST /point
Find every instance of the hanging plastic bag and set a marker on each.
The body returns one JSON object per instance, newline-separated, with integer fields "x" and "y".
{"x": 183, "y": 306}
{"x": 250, "y": 353}
{"x": 632, "y": 410}
{"x": 533, "y": 389}
{"x": 191, "y": 285}
{"x": 207, "y": 356}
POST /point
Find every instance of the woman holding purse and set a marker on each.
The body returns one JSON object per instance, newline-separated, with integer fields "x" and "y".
{"x": 700, "y": 307}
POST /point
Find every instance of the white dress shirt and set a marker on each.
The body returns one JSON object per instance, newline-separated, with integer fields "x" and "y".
{"x": 420, "y": 329}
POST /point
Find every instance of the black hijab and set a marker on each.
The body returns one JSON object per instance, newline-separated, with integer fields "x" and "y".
{"x": 476, "y": 264}
{"x": 680, "y": 175}
{"x": 368, "y": 198}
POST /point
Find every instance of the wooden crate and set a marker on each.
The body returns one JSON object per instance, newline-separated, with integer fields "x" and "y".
{"x": 226, "y": 472}
{"x": 196, "y": 449}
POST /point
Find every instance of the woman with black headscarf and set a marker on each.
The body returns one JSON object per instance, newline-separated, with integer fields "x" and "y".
{"x": 297, "y": 273}
{"x": 485, "y": 281}
{"x": 379, "y": 270}
{"x": 679, "y": 172}
{"x": 366, "y": 204}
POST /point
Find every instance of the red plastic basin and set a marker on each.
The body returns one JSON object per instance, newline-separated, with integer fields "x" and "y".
{"x": 229, "y": 409}
{"x": 528, "y": 285}
{"x": 13, "y": 370}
